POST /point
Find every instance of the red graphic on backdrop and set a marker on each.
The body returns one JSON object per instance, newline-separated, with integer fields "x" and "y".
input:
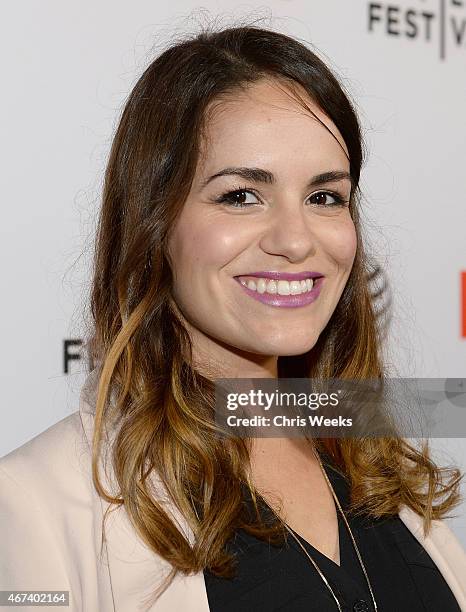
{"x": 463, "y": 303}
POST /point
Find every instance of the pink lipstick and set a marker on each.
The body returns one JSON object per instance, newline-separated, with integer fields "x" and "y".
{"x": 285, "y": 301}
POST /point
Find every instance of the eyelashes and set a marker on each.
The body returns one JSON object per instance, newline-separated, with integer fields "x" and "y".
{"x": 230, "y": 198}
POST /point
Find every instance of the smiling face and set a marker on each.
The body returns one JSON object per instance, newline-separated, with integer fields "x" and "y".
{"x": 288, "y": 219}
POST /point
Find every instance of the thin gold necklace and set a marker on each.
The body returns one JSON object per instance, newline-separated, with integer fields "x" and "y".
{"x": 352, "y": 538}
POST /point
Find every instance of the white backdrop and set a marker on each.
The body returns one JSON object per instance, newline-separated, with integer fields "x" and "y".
{"x": 66, "y": 69}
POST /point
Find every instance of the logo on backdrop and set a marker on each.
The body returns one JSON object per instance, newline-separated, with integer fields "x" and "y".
{"x": 71, "y": 352}
{"x": 381, "y": 297}
{"x": 440, "y": 23}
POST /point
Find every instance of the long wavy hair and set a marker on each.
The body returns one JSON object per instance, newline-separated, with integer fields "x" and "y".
{"x": 147, "y": 382}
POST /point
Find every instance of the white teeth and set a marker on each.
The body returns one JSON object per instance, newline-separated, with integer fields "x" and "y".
{"x": 261, "y": 285}
{"x": 282, "y": 287}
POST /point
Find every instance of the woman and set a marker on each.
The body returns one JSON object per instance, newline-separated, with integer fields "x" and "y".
{"x": 236, "y": 163}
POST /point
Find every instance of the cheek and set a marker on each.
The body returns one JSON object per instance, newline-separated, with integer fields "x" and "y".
{"x": 341, "y": 243}
{"x": 197, "y": 247}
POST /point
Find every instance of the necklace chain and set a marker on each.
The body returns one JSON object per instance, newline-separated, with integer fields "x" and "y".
{"x": 352, "y": 538}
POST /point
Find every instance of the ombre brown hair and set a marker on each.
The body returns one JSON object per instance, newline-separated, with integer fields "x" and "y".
{"x": 160, "y": 406}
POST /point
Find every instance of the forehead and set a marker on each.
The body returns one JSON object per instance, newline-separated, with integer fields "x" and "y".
{"x": 266, "y": 123}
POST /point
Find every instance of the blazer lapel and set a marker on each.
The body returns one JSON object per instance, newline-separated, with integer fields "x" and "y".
{"x": 129, "y": 572}
{"x": 444, "y": 549}
{"x": 135, "y": 572}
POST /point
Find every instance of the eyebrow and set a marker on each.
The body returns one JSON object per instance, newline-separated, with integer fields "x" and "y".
{"x": 259, "y": 175}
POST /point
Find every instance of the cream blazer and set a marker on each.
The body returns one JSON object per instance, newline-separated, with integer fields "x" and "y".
{"x": 50, "y": 531}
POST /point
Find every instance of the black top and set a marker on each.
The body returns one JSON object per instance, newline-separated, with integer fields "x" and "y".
{"x": 273, "y": 578}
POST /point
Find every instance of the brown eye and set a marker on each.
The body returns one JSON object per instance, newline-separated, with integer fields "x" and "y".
{"x": 237, "y": 198}
{"x": 321, "y": 198}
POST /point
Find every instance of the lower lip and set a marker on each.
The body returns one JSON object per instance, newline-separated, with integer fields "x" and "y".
{"x": 286, "y": 301}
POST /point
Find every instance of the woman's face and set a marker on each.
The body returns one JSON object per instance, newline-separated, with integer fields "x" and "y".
{"x": 282, "y": 218}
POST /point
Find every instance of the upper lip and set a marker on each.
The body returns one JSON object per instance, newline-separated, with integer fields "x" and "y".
{"x": 289, "y": 276}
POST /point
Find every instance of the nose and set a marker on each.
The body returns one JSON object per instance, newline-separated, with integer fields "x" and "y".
{"x": 289, "y": 233}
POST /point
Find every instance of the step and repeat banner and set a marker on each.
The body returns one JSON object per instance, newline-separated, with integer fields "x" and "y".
{"x": 67, "y": 69}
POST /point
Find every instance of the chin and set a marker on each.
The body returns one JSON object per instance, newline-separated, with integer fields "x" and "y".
{"x": 291, "y": 344}
{"x": 293, "y": 352}
{"x": 285, "y": 348}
